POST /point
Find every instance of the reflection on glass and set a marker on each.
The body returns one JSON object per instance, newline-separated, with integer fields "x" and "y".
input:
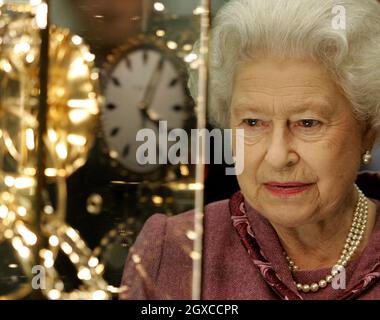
{"x": 117, "y": 145}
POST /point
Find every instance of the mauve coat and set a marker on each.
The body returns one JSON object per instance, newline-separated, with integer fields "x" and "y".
{"x": 159, "y": 267}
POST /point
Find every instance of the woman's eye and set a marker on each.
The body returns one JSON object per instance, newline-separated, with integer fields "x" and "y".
{"x": 309, "y": 123}
{"x": 252, "y": 122}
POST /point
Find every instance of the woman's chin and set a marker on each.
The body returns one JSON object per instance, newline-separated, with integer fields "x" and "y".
{"x": 289, "y": 216}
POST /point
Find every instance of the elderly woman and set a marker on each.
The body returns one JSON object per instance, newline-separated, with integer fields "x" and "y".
{"x": 302, "y": 78}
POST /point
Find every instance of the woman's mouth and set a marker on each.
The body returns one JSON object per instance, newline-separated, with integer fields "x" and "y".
{"x": 286, "y": 189}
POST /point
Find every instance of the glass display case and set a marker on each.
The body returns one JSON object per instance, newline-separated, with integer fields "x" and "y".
{"x": 94, "y": 100}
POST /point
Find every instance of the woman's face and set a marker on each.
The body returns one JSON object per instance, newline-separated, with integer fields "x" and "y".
{"x": 299, "y": 129}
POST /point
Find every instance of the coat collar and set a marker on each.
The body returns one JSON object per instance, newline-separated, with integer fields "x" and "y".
{"x": 357, "y": 270}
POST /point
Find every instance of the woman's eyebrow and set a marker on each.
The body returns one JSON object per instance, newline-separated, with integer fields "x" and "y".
{"x": 321, "y": 107}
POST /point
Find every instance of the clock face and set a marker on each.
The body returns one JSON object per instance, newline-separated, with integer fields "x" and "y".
{"x": 143, "y": 88}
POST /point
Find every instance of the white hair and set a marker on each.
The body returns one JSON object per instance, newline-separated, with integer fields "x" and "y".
{"x": 248, "y": 28}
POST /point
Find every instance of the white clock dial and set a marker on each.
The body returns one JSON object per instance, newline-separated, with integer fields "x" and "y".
{"x": 143, "y": 88}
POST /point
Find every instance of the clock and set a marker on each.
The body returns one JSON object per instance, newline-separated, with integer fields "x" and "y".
{"x": 144, "y": 88}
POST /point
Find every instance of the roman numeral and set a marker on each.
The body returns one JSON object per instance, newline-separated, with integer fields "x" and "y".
{"x": 161, "y": 63}
{"x": 128, "y": 63}
{"x": 145, "y": 56}
{"x": 126, "y": 151}
{"x": 115, "y": 81}
{"x": 173, "y": 82}
{"x": 115, "y": 131}
{"x": 110, "y": 106}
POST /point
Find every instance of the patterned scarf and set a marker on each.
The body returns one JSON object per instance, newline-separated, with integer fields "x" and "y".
{"x": 244, "y": 229}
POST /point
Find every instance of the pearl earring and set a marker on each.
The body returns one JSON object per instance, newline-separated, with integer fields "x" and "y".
{"x": 367, "y": 157}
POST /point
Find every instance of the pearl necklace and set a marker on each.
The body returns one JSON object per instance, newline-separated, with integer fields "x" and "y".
{"x": 353, "y": 240}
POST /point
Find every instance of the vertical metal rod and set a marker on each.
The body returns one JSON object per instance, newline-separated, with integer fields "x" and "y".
{"x": 199, "y": 173}
{"x": 42, "y": 121}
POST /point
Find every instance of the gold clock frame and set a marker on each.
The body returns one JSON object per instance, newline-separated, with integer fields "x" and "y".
{"x": 164, "y": 172}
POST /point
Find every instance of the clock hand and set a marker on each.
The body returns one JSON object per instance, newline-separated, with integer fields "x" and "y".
{"x": 152, "y": 85}
{"x": 150, "y": 91}
{"x": 151, "y": 88}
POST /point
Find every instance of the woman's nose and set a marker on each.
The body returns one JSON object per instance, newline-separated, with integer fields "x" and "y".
{"x": 280, "y": 153}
